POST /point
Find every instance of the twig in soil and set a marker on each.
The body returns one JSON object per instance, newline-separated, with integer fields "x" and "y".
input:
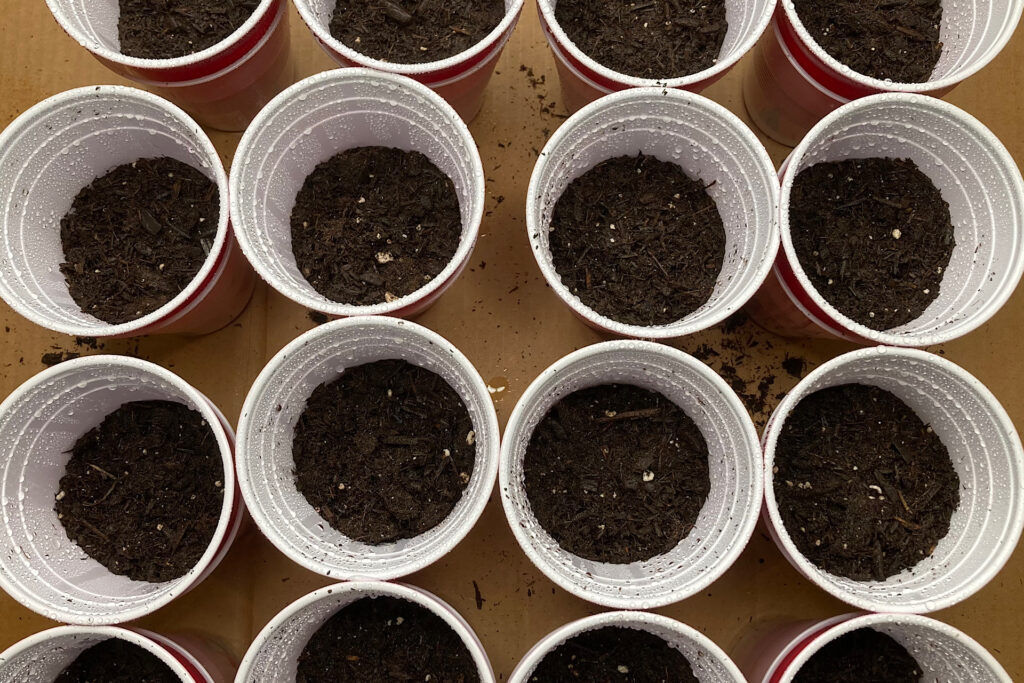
{"x": 628, "y": 415}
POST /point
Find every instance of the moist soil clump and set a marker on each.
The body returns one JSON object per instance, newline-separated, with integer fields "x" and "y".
{"x": 638, "y": 241}
{"x": 865, "y": 488}
{"x": 384, "y": 452}
{"x": 653, "y": 39}
{"x": 373, "y": 224}
{"x": 896, "y": 40}
{"x": 616, "y": 473}
{"x": 136, "y": 237}
{"x": 143, "y": 491}
{"x": 165, "y": 29}
{"x": 874, "y": 236}
{"x": 385, "y": 639}
{"x": 861, "y": 656}
{"x": 414, "y": 31}
{"x": 117, "y": 661}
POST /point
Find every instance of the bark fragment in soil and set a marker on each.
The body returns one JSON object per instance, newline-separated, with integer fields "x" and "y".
{"x": 165, "y": 29}
{"x": 117, "y": 661}
{"x": 861, "y": 656}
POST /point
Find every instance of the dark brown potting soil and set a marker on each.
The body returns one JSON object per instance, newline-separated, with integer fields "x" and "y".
{"x": 874, "y": 236}
{"x": 649, "y": 39}
{"x": 165, "y": 29}
{"x": 614, "y": 654}
{"x": 895, "y": 40}
{"x": 616, "y": 473}
{"x": 414, "y": 31}
{"x": 385, "y": 639}
{"x": 865, "y": 488}
{"x": 136, "y": 237}
{"x": 638, "y": 241}
{"x": 385, "y": 451}
{"x": 143, "y": 491}
{"x": 117, "y": 661}
{"x": 373, "y": 224}
{"x": 861, "y": 656}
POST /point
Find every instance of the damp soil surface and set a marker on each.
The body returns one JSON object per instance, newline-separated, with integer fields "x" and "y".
{"x": 861, "y": 656}
{"x": 874, "y": 236}
{"x": 616, "y": 473}
{"x": 117, "y": 661}
{"x": 865, "y": 488}
{"x": 638, "y": 241}
{"x": 895, "y": 40}
{"x": 373, "y": 224}
{"x": 385, "y": 639}
{"x": 165, "y": 29}
{"x": 143, "y": 491}
{"x": 384, "y": 452}
{"x": 647, "y": 38}
{"x": 136, "y": 237}
{"x": 414, "y": 31}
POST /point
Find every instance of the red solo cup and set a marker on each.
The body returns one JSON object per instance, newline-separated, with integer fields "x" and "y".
{"x": 793, "y": 82}
{"x": 460, "y": 79}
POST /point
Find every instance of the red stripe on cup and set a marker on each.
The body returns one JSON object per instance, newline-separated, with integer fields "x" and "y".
{"x": 784, "y": 665}
{"x": 177, "y": 652}
{"x": 800, "y": 295}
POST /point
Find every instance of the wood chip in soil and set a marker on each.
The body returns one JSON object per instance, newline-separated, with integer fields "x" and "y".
{"x": 165, "y": 29}
{"x": 117, "y": 661}
{"x": 861, "y": 656}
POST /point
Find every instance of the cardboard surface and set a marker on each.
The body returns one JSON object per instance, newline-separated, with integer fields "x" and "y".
{"x": 511, "y": 326}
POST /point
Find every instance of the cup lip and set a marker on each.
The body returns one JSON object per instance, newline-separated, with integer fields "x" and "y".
{"x": 627, "y": 619}
{"x": 547, "y": 11}
{"x": 196, "y": 574}
{"x": 323, "y": 34}
{"x": 817, "y": 575}
{"x": 515, "y": 426}
{"x": 978, "y": 131}
{"x": 339, "y": 328}
{"x": 363, "y": 588}
{"x": 1013, "y": 18}
{"x": 242, "y": 223}
{"x": 680, "y": 328}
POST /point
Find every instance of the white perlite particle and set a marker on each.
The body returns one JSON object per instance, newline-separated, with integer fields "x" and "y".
{"x": 648, "y": 475}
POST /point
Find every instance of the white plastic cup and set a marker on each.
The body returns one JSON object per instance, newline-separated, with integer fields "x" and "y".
{"x": 709, "y": 143}
{"x": 460, "y": 79}
{"x": 727, "y": 519}
{"x": 56, "y": 148}
{"x": 222, "y": 86}
{"x": 273, "y": 656}
{"x": 942, "y": 652}
{"x": 318, "y": 118}
{"x": 267, "y": 426}
{"x": 794, "y": 82}
{"x": 709, "y": 663}
{"x": 40, "y": 421}
{"x": 977, "y": 177}
{"x": 986, "y": 453}
{"x": 583, "y": 79}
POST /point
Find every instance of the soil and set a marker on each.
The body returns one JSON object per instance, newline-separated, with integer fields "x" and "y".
{"x": 861, "y": 656}
{"x": 865, "y": 488}
{"x": 650, "y": 38}
{"x": 373, "y": 224}
{"x": 117, "y": 661}
{"x": 165, "y": 29}
{"x": 614, "y": 654}
{"x": 414, "y": 31}
{"x": 874, "y": 236}
{"x": 896, "y": 40}
{"x": 648, "y": 252}
{"x": 384, "y": 452}
{"x": 385, "y": 639}
{"x": 136, "y": 237}
{"x": 616, "y": 473}
{"x": 143, "y": 491}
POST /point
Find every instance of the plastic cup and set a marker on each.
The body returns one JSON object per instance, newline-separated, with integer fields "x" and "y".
{"x": 222, "y": 86}
{"x": 311, "y": 122}
{"x": 584, "y": 80}
{"x": 40, "y": 566}
{"x": 727, "y": 519}
{"x": 267, "y": 426}
{"x": 460, "y": 79}
{"x": 975, "y": 174}
{"x": 709, "y": 143}
{"x": 793, "y": 82}
{"x": 710, "y": 664}
{"x": 273, "y": 656}
{"x": 986, "y": 453}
